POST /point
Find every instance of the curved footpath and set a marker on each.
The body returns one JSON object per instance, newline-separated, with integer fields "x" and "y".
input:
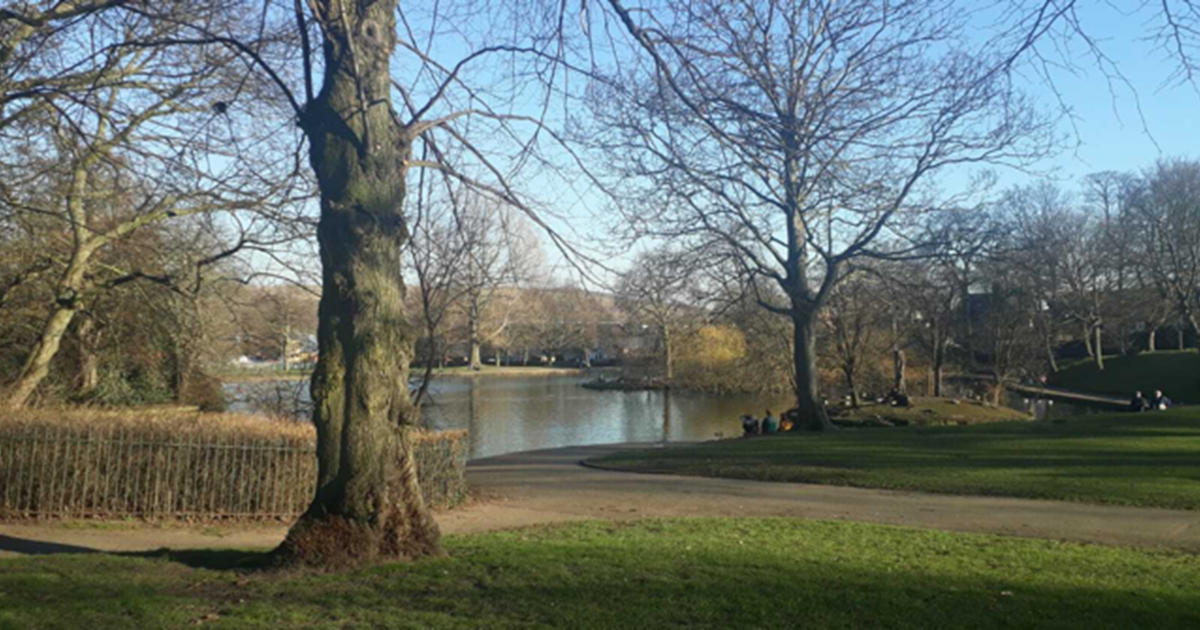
{"x": 551, "y": 486}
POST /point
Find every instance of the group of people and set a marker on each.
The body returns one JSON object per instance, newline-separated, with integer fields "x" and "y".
{"x": 1139, "y": 403}
{"x": 768, "y": 425}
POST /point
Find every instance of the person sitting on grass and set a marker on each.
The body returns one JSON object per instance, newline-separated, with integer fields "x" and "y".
{"x": 1161, "y": 402}
{"x": 770, "y": 424}
{"x": 1138, "y": 404}
{"x": 896, "y": 398}
{"x": 749, "y": 426}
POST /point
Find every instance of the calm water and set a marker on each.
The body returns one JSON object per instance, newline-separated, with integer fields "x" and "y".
{"x": 512, "y": 414}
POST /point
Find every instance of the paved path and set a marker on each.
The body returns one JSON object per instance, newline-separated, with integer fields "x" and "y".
{"x": 550, "y": 486}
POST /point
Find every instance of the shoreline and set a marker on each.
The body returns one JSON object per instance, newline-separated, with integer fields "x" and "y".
{"x": 454, "y": 372}
{"x": 464, "y": 372}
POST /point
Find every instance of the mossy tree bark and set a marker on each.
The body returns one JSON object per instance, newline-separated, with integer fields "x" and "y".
{"x": 368, "y": 505}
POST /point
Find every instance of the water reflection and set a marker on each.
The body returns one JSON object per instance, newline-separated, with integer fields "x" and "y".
{"x": 512, "y": 414}
{"x": 1048, "y": 409}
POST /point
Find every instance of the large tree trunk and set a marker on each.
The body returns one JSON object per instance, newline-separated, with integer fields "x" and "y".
{"x": 368, "y": 505}
{"x": 813, "y": 415}
{"x": 1150, "y": 340}
{"x": 1099, "y": 350}
{"x": 1087, "y": 342}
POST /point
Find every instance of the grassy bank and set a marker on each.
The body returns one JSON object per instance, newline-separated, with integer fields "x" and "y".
{"x": 1148, "y": 459}
{"x": 931, "y": 412}
{"x": 719, "y": 573}
{"x": 1177, "y": 373}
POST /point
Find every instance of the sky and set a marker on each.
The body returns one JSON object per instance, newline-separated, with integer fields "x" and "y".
{"x": 1111, "y": 132}
{"x": 1118, "y": 124}
{"x": 1122, "y": 118}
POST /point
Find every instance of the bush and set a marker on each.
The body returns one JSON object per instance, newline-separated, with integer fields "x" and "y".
{"x": 120, "y": 388}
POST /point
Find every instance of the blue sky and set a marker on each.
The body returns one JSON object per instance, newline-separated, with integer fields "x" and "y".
{"x": 1116, "y": 125}
{"x": 1122, "y": 117}
{"x": 1111, "y": 132}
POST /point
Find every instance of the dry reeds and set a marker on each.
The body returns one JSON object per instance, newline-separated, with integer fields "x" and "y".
{"x": 177, "y": 463}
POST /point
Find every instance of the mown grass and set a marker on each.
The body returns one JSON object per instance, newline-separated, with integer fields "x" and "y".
{"x": 693, "y": 573}
{"x": 1176, "y": 373}
{"x": 1150, "y": 459}
{"x": 933, "y": 412}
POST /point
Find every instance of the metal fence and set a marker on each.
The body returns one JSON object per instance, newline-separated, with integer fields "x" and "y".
{"x": 73, "y": 472}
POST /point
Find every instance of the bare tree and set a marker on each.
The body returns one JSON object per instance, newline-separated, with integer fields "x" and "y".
{"x": 499, "y": 256}
{"x": 109, "y": 138}
{"x": 925, "y": 306}
{"x": 1168, "y": 205}
{"x": 853, "y": 317}
{"x": 658, "y": 291}
{"x": 1005, "y": 335}
{"x": 1061, "y": 252}
{"x": 368, "y": 504}
{"x": 797, "y": 132}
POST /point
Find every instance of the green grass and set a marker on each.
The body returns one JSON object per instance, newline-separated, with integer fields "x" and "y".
{"x": 693, "y": 573}
{"x": 1177, "y": 373}
{"x": 1150, "y": 459}
{"x": 932, "y": 412}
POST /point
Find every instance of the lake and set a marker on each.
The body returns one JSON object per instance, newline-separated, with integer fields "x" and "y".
{"x": 509, "y": 414}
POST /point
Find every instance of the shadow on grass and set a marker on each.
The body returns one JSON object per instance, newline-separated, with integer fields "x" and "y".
{"x": 30, "y": 547}
{"x": 213, "y": 559}
{"x": 653, "y": 574}
{"x": 241, "y": 560}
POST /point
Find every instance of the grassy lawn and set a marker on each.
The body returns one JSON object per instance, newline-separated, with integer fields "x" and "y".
{"x": 1150, "y": 459}
{"x": 1177, "y": 373}
{"x": 694, "y": 573}
{"x": 932, "y": 412}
